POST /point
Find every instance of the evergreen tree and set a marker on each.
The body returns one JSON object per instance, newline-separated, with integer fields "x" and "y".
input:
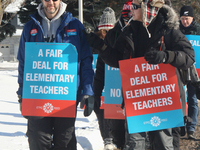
{"x": 92, "y": 10}
{"x": 28, "y": 8}
{"x": 6, "y": 29}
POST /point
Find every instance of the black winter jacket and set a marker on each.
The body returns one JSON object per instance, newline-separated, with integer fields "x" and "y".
{"x": 135, "y": 42}
{"x": 99, "y": 77}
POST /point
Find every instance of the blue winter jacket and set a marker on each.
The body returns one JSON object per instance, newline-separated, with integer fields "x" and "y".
{"x": 85, "y": 71}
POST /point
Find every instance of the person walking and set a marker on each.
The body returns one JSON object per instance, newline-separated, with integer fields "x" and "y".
{"x": 52, "y": 24}
{"x": 189, "y": 26}
{"x": 107, "y": 22}
{"x": 154, "y": 35}
{"x": 116, "y": 126}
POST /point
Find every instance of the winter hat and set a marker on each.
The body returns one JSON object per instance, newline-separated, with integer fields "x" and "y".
{"x": 108, "y": 19}
{"x": 186, "y": 11}
{"x": 126, "y": 12}
{"x": 150, "y": 10}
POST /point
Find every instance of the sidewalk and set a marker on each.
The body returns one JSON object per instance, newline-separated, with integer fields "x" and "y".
{"x": 8, "y": 65}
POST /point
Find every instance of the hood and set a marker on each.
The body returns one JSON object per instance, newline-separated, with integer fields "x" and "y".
{"x": 171, "y": 17}
{"x": 50, "y": 26}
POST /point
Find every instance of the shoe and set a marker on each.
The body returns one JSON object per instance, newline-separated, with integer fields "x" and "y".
{"x": 110, "y": 147}
{"x": 108, "y": 144}
{"x": 190, "y": 135}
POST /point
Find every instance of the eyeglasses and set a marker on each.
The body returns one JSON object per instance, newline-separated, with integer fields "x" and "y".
{"x": 134, "y": 6}
{"x": 49, "y": 0}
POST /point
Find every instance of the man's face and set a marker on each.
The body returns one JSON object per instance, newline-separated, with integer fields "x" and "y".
{"x": 186, "y": 20}
{"x": 136, "y": 11}
{"x": 51, "y": 7}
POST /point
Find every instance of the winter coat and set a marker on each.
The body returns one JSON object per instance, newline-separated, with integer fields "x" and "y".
{"x": 193, "y": 29}
{"x": 135, "y": 42}
{"x": 85, "y": 72}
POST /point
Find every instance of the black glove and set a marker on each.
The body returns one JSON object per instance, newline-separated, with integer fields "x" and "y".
{"x": 94, "y": 41}
{"x": 155, "y": 57}
{"x": 88, "y": 102}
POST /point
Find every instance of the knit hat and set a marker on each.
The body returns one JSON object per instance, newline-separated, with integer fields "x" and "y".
{"x": 150, "y": 10}
{"x": 186, "y": 11}
{"x": 108, "y": 19}
{"x": 126, "y": 12}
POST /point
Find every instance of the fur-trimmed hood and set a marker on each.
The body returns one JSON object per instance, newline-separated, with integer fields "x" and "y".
{"x": 171, "y": 17}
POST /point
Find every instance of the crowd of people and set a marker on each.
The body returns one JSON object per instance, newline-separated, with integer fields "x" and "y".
{"x": 146, "y": 28}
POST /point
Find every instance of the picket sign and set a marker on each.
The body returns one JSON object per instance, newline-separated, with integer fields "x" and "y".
{"x": 50, "y": 80}
{"x": 195, "y": 41}
{"x": 113, "y": 94}
{"x": 151, "y": 95}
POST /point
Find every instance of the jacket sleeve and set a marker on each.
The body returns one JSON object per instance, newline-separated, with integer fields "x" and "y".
{"x": 99, "y": 80}
{"x": 179, "y": 50}
{"x": 113, "y": 53}
{"x": 20, "y": 57}
{"x": 86, "y": 71}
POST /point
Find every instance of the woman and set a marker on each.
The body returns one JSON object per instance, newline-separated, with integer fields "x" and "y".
{"x": 153, "y": 35}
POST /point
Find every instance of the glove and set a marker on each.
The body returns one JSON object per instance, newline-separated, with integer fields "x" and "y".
{"x": 88, "y": 102}
{"x": 94, "y": 41}
{"x": 20, "y": 102}
{"x": 155, "y": 57}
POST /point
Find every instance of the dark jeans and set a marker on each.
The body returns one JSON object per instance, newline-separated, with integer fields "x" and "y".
{"x": 192, "y": 107}
{"x": 51, "y": 133}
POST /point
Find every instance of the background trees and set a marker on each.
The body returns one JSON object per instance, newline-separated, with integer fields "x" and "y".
{"x": 5, "y": 27}
{"x": 92, "y": 9}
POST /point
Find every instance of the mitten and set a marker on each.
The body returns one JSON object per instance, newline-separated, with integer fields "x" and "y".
{"x": 155, "y": 57}
{"x": 95, "y": 41}
{"x": 88, "y": 102}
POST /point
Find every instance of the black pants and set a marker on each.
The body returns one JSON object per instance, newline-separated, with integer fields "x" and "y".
{"x": 103, "y": 123}
{"x": 51, "y": 133}
{"x": 117, "y": 131}
{"x": 111, "y": 128}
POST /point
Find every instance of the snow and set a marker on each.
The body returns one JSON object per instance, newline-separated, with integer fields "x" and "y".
{"x": 13, "y": 126}
{"x": 14, "y": 6}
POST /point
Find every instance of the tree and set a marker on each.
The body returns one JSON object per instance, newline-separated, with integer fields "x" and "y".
{"x": 6, "y": 28}
{"x": 92, "y": 10}
{"x": 29, "y": 7}
{"x": 3, "y": 5}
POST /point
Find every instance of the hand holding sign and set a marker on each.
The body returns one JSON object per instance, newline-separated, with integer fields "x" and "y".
{"x": 155, "y": 57}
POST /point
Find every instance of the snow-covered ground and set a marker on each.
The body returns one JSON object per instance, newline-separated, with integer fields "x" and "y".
{"x": 13, "y": 126}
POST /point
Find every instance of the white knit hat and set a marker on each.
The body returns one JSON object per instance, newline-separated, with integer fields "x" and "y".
{"x": 108, "y": 19}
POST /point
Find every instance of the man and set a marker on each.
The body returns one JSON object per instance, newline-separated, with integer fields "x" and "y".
{"x": 153, "y": 35}
{"x": 188, "y": 25}
{"x": 53, "y": 24}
